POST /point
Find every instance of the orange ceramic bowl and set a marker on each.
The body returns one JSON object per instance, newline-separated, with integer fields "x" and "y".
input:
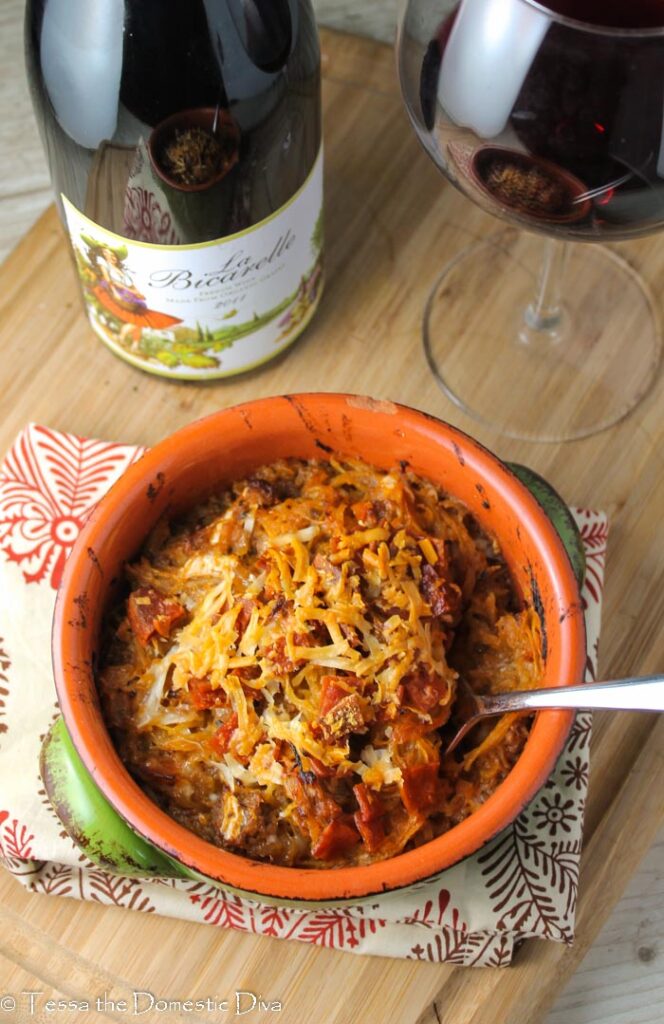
{"x": 228, "y": 445}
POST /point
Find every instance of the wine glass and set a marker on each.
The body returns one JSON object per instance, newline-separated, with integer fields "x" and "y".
{"x": 553, "y": 123}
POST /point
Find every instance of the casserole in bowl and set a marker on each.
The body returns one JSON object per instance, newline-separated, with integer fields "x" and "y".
{"x": 195, "y": 463}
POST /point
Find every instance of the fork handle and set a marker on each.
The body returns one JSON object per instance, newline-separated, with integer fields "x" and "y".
{"x": 641, "y": 693}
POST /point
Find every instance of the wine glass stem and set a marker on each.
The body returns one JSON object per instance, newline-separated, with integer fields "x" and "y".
{"x": 545, "y": 312}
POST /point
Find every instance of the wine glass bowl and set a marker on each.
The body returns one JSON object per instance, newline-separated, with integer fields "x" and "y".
{"x": 554, "y": 124}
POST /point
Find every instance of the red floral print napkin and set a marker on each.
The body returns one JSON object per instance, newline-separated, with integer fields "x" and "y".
{"x": 522, "y": 885}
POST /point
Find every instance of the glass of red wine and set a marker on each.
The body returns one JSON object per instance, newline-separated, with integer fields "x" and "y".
{"x": 549, "y": 115}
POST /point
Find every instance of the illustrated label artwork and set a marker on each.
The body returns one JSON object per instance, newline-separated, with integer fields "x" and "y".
{"x": 206, "y": 310}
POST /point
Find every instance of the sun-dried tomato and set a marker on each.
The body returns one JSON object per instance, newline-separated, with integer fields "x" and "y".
{"x": 220, "y": 742}
{"x": 408, "y": 727}
{"x": 346, "y": 716}
{"x": 331, "y": 693}
{"x": 372, "y": 832}
{"x": 314, "y": 807}
{"x": 243, "y": 617}
{"x": 420, "y": 787}
{"x": 442, "y": 596}
{"x": 369, "y": 803}
{"x": 203, "y": 695}
{"x": 320, "y": 770}
{"x": 152, "y": 613}
{"x": 276, "y": 653}
{"x": 422, "y": 689}
{"x": 335, "y": 840}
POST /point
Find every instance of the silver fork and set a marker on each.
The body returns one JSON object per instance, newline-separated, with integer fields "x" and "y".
{"x": 642, "y": 693}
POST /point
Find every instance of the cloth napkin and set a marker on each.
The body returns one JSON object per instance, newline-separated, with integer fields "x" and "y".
{"x": 521, "y": 885}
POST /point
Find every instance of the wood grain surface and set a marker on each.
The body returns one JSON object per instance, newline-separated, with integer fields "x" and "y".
{"x": 392, "y": 223}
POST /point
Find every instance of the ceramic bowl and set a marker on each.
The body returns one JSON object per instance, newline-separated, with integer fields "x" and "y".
{"x": 83, "y": 765}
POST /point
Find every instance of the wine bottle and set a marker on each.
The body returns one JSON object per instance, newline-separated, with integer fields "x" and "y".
{"x": 184, "y": 143}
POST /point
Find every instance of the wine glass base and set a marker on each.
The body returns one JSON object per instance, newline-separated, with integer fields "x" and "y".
{"x": 573, "y": 378}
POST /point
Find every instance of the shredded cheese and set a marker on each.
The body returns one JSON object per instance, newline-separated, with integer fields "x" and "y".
{"x": 310, "y": 657}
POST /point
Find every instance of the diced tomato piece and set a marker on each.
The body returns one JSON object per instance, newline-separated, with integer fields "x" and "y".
{"x": 244, "y": 615}
{"x": 322, "y": 771}
{"x": 347, "y": 715}
{"x": 314, "y": 807}
{"x": 443, "y": 596}
{"x": 220, "y": 742}
{"x": 331, "y": 693}
{"x": 369, "y": 803}
{"x": 422, "y": 689}
{"x": 420, "y": 788}
{"x": 372, "y": 832}
{"x": 368, "y": 819}
{"x": 203, "y": 696}
{"x": 276, "y": 653}
{"x": 311, "y": 800}
{"x": 335, "y": 839}
{"x": 152, "y": 613}
{"x": 408, "y": 727}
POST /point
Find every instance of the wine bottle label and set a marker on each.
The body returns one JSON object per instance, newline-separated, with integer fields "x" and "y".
{"x": 206, "y": 310}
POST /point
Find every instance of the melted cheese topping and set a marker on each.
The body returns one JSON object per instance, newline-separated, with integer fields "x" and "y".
{"x": 319, "y": 601}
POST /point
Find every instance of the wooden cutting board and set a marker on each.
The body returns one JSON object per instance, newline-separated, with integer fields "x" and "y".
{"x": 392, "y": 223}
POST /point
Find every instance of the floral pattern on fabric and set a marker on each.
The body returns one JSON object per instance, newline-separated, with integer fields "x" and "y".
{"x": 521, "y": 885}
{"x": 49, "y": 483}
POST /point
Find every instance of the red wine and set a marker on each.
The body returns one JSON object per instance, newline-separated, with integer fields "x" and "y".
{"x": 580, "y": 145}
{"x": 184, "y": 142}
{"x": 611, "y": 13}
